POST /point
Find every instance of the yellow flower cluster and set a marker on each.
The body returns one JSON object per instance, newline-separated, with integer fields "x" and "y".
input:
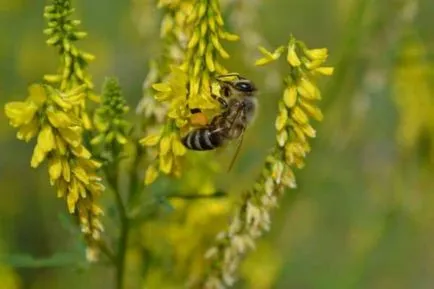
{"x": 58, "y": 117}
{"x": 62, "y": 32}
{"x": 48, "y": 114}
{"x": 296, "y": 108}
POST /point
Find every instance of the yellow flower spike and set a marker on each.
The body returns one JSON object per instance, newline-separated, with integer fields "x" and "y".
{"x": 316, "y": 54}
{"x": 54, "y": 169}
{"x": 150, "y": 140}
{"x": 20, "y": 112}
{"x": 28, "y": 131}
{"x": 326, "y": 70}
{"x": 269, "y": 56}
{"x": 290, "y": 96}
{"x": 293, "y": 131}
{"x": 151, "y": 175}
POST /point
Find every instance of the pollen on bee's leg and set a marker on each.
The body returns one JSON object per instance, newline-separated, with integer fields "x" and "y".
{"x": 199, "y": 119}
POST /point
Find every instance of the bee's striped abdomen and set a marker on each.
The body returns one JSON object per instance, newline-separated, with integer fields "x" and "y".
{"x": 203, "y": 139}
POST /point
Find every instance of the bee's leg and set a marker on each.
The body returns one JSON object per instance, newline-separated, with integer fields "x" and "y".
{"x": 221, "y": 100}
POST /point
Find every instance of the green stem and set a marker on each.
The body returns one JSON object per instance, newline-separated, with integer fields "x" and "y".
{"x": 112, "y": 179}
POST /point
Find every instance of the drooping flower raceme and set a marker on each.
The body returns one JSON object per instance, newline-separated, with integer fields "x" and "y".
{"x": 293, "y": 130}
{"x": 48, "y": 114}
{"x": 55, "y": 113}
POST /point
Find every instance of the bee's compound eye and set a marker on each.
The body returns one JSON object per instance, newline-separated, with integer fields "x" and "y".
{"x": 244, "y": 86}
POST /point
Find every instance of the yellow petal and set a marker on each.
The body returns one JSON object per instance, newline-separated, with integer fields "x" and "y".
{"x": 62, "y": 187}
{"x": 20, "y": 112}
{"x": 150, "y": 140}
{"x": 281, "y": 119}
{"x": 282, "y": 138}
{"x": 312, "y": 110}
{"x": 166, "y": 162}
{"x": 178, "y": 148}
{"x": 60, "y": 101}
{"x": 299, "y": 115}
{"x": 162, "y": 87}
{"x": 89, "y": 164}
{"x": 60, "y": 145}
{"x": 165, "y": 144}
{"x": 46, "y": 140}
{"x": 325, "y": 70}
{"x": 66, "y": 169}
{"x": 151, "y": 175}
{"x": 316, "y": 54}
{"x": 87, "y": 123}
{"x": 81, "y": 174}
{"x": 61, "y": 119}
{"x": 209, "y": 59}
{"x": 28, "y": 131}
{"x": 73, "y": 195}
{"x": 71, "y": 135}
{"x": 292, "y": 57}
{"x": 38, "y": 156}
{"x": 290, "y": 96}
{"x": 121, "y": 139}
{"x": 81, "y": 152}
{"x": 309, "y": 130}
{"x": 37, "y": 94}
{"x": 54, "y": 168}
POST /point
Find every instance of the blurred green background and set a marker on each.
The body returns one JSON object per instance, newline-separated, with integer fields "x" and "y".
{"x": 363, "y": 213}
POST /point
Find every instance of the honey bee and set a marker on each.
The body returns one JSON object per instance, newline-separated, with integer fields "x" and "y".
{"x": 238, "y": 102}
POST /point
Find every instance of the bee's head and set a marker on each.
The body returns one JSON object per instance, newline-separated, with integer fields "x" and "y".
{"x": 238, "y": 85}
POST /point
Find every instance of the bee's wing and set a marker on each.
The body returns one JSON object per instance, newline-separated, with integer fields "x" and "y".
{"x": 238, "y": 149}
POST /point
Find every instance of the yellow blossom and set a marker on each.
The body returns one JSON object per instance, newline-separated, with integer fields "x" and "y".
{"x": 269, "y": 56}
